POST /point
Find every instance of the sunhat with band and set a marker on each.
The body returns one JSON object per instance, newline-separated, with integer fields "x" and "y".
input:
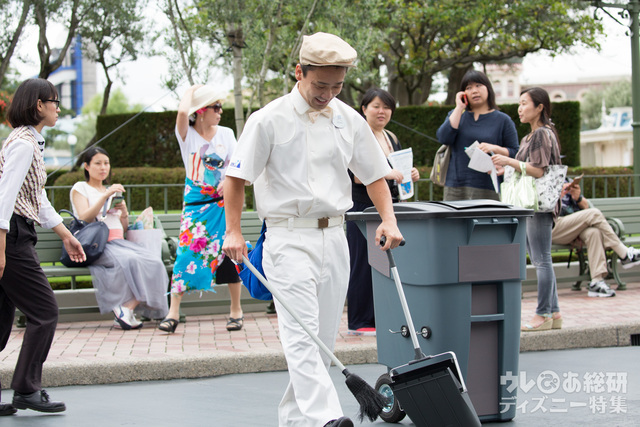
{"x": 203, "y": 96}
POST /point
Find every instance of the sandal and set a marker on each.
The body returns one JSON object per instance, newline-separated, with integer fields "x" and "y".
{"x": 544, "y": 326}
{"x": 235, "y": 324}
{"x": 557, "y": 321}
{"x": 168, "y": 325}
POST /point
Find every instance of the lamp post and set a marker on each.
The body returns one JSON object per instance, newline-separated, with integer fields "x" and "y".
{"x": 631, "y": 10}
{"x": 72, "y": 140}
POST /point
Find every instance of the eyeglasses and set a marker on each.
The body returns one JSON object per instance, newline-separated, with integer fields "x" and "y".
{"x": 55, "y": 101}
{"x": 215, "y": 107}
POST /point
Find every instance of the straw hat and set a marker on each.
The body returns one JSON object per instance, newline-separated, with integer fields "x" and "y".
{"x": 204, "y": 96}
{"x": 324, "y": 49}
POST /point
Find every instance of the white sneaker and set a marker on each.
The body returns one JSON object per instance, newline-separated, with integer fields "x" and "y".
{"x": 133, "y": 321}
{"x": 598, "y": 288}
{"x": 126, "y": 319}
{"x": 633, "y": 258}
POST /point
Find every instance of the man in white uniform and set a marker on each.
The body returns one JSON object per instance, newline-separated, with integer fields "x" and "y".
{"x": 296, "y": 152}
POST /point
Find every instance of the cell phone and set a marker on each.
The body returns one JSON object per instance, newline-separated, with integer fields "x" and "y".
{"x": 117, "y": 198}
{"x": 576, "y": 181}
{"x": 464, "y": 99}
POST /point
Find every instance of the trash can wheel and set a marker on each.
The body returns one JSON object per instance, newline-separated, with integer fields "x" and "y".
{"x": 392, "y": 413}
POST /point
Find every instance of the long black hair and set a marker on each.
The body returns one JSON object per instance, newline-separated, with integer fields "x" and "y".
{"x": 540, "y": 96}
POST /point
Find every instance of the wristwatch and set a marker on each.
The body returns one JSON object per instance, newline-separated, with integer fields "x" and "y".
{"x": 579, "y": 199}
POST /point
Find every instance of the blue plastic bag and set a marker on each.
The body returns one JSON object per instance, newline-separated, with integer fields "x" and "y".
{"x": 253, "y": 284}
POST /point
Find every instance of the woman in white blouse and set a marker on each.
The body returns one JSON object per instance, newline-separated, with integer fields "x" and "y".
{"x": 127, "y": 277}
{"x": 24, "y": 203}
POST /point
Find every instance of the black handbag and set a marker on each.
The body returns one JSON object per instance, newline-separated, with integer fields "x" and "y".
{"x": 92, "y": 236}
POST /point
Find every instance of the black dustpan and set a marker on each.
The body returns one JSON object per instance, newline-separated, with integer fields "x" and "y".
{"x": 430, "y": 389}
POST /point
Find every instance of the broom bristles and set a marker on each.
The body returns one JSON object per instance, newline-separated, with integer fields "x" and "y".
{"x": 371, "y": 402}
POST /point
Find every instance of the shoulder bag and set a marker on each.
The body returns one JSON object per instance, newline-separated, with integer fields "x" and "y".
{"x": 92, "y": 236}
{"x": 440, "y": 165}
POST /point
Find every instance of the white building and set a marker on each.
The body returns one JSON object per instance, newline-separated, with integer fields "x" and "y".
{"x": 612, "y": 143}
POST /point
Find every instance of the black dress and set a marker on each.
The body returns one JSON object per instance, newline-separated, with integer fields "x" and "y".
{"x": 360, "y": 310}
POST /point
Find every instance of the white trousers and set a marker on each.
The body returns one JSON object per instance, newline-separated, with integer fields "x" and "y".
{"x": 310, "y": 267}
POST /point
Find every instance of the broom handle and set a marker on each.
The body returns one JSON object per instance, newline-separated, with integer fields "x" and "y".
{"x": 292, "y": 312}
{"x": 403, "y": 302}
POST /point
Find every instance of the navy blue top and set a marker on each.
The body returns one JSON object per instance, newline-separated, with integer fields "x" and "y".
{"x": 494, "y": 128}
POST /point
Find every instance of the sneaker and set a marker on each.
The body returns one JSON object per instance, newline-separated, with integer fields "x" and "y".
{"x": 633, "y": 258}
{"x": 598, "y": 288}
{"x": 133, "y": 321}
{"x": 368, "y": 332}
{"x": 125, "y": 318}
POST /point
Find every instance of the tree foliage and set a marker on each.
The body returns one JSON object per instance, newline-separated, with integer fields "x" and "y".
{"x": 113, "y": 32}
{"x": 422, "y": 38}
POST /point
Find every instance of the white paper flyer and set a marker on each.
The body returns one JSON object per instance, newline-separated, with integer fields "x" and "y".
{"x": 403, "y": 161}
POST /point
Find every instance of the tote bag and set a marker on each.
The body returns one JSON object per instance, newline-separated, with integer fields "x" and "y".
{"x": 518, "y": 189}
{"x": 549, "y": 187}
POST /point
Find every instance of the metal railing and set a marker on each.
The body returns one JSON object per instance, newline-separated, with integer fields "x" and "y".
{"x": 133, "y": 190}
{"x": 593, "y": 186}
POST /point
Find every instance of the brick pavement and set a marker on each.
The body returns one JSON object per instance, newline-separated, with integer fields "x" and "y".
{"x": 99, "y": 344}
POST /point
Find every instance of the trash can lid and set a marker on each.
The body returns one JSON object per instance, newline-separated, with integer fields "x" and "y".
{"x": 452, "y": 209}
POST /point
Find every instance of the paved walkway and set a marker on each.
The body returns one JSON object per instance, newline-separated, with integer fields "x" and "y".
{"x": 98, "y": 353}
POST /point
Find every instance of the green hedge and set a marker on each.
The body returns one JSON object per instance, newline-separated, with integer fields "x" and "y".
{"x": 136, "y": 197}
{"x": 149, "y": 139}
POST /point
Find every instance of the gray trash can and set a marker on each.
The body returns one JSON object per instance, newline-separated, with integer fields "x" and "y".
{"x": 461, "y": 270}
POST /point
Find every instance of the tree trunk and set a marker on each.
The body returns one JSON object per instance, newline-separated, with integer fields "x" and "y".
{"x": 455, "y": 78}
{"x": 106, "y": 94}
{"x": 275, "y": 23}
{"x": 236, "y": 41}
{"x": 44, "y": 51}
{"x": 26, "y": 6}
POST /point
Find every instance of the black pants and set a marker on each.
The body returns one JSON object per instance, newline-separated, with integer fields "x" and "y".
{"x": 360, "y": 308}
{"x": 25, "y": 286}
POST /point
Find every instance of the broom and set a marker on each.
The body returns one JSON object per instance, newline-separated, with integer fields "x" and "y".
{"x": 371, "y": 402}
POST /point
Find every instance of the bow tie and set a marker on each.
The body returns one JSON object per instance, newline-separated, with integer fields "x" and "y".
{"x": 313, "y": 114}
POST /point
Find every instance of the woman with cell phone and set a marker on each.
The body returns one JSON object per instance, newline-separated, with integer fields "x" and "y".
{"x": 127, "y": 277}
{"x": 476, "y": 117}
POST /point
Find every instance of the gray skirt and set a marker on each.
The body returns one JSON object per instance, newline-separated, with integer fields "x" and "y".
{"x": 126, "y": 271}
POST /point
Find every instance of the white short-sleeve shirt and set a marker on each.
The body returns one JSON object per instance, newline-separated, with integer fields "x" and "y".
{"x": 299, "y": 168}
{"x": 223, "y": 144}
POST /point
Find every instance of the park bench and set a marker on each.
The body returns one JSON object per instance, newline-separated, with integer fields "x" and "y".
{"x": 622, "y": 213}
{"x": 75, "y": 301}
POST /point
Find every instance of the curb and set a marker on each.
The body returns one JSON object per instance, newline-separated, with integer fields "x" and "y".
{"x": 83, "y": 372}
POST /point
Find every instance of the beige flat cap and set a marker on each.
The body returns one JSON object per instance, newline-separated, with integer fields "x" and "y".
{"x": 323, "y": 50}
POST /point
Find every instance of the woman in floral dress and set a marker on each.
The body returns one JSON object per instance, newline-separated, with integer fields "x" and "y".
{"x": 206, "y": 149}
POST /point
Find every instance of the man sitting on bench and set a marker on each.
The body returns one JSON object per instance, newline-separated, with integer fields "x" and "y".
{"x": 578, "y": 221}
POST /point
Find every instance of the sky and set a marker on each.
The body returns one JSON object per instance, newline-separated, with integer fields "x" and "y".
{"x": 142, "y": 79}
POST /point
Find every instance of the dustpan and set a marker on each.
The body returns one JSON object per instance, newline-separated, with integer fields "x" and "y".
{"x": 430, "y": 389}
